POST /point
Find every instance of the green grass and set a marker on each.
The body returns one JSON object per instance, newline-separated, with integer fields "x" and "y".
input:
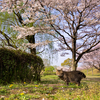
{"x": 52, "y": 88}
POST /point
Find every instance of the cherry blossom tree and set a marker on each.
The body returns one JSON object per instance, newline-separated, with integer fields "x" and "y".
{"x": 75, "y": 24}
{"x": 19, "y": 21}
{"x": 7, "y": 34}
{"x": 92, "y": 59}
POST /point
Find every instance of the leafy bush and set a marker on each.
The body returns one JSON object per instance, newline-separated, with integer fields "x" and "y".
{"x": 49, "y": 71}
{"x": 16, "y": 65}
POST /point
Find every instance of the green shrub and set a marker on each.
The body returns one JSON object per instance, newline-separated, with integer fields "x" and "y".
{"x": 49, "y": 71}
{"x": 16, "y": 65}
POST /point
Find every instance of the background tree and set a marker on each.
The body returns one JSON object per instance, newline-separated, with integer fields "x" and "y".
{"x": 4, "y": 37}
{"x": 46, "y": 62}
{"x": 67, "y": 63}
{"x": 86, "y": 67}
{"x": 75, "y": 24}
{"x": 92, "y": 59}
{"x": 7, "y": 34}
{"x": 15, "y": 18}
{"x": 33, "y": 38}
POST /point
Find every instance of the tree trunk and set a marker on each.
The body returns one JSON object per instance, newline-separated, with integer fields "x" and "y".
{"x": 31, "y": 39}
{"x": 74, "y": 64}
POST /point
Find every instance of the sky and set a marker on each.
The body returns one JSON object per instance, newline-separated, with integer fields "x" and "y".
{"x": 57, "y": 62}
{"x": 60, "y": 59}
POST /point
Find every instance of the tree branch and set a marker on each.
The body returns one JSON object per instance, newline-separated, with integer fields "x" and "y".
{"x": 8, "y": 40}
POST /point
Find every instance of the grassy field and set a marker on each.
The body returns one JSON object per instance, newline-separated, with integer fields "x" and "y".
{"x": 52, "y": 88}
{"x": 91, "y": 72}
